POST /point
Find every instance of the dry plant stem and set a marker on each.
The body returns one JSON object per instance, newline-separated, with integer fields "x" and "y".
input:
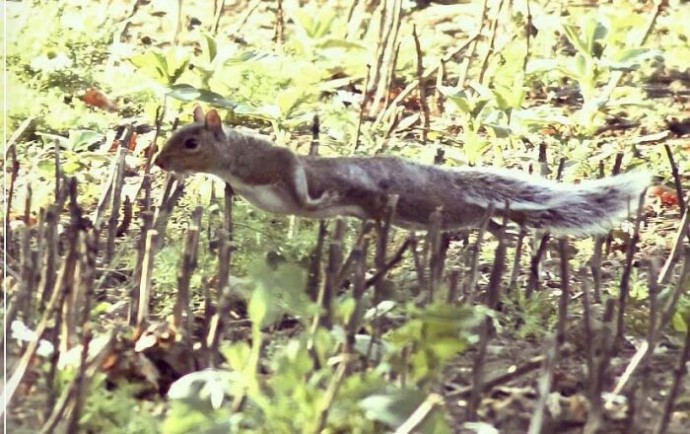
{"x": 314, "y": 277}
{"x": 116, "y": 195}
{"x": 390, "y": 110}
{"x": 224, "y": 302}
{"x": 315, "y": 132}
{"x": 367, "y": 226}
{"x": 225, "y": 239}
{"x": 678, "y": 374}
{"x": 594, "y": 385}
{"x": 391, "y": 20}
{"x": 94, "y": 365}
{"x": 381, "y": 245}
{"x": 471, "y": 281}
{"x": 351, "y": 11}
{"x": 596, "y": 267}
{"x": 280, "y": 24}
{"x": 330, "y": 394}
{"x": 565, "y": 291}
{"x": 358, "y": 288}
{"x": 515, "y": 372}
{"x": 605, "y": 347}
{"x": 151, "y": 151}
{"x": 528, "y": 34}
{"x": 486, "y": 331}
{"x": 335, "y": 263}
{"x": 453, "y": 280}
{"x": 11, "y": 156}
{"x": 248, "y": 12}
{"x": 66, "y": 273}
{"x": 217, "y": 13}
{"x": 395, "y": 259}
{"x": 182, "y": 315}
{"x": 533, "y": 283}
{"x": 676, "y": 178}
{"x": 644, "y": 377}
{"x": 146, "y": 277}
{"x": 107, "y": 189}
{"x": 381, "y": 42}
{"x": 51, "y": 219}
{"x": 127, "y": 216}
{"x": 432, "y": 402}
{"x": 617, "y": 164}
{"x": 627, "y": 270}
{"x": 683, "y": 283}
{"x": 468, "y": 59}
{"x": 87, "y": 265}
{"x": 516, "y": 261}
{"x": 422, "y": 88}
{"x": 433, "y": 240}
{"x": 178, "y": 23}
{"x": 439, "y": 99}
{"x": 58, "y": 168}
{"x": 536, "y": 423}
{"x": 162, "y": 214}
{"x": 391, "y": 74}
{"x": 365, "y": 99}
{"x": 146, "y": 181}
{"x": 27, "y": 267}
{"x": 492, "y": 42}
{"x": 147, "y": 224}
{"x": 672, "y": 260}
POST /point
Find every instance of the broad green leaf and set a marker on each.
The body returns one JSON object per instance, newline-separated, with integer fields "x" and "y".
{"x": 396, "y": 406}
{"x": 184, "y": 92}
{"x": 81, "y": 140}
{"x": 215, "y": 99}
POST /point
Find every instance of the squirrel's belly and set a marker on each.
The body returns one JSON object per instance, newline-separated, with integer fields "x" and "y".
{"x": 267, "y": 198}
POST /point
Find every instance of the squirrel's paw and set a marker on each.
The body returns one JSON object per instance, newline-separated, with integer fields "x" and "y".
{"x": 328, "y": 198}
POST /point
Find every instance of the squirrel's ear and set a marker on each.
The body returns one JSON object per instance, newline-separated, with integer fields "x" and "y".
{"x": 198, "y": 114}
{"x": 213, "y": 122}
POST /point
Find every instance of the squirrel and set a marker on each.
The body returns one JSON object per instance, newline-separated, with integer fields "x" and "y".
{"x": 277, "y": 180}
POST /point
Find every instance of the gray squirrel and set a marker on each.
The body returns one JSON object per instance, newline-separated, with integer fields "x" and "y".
{"x": 277, "y": 180}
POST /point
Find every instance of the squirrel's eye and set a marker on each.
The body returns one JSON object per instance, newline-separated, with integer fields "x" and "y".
{"x": 191, "y": 143}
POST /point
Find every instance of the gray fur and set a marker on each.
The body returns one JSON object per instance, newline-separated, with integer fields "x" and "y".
{"x": 360, "y": 186}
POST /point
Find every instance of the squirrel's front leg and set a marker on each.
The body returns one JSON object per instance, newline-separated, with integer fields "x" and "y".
{"x": 301, "y": 188}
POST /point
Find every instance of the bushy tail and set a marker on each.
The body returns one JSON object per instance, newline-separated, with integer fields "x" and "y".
{"x": 590, "y": 207}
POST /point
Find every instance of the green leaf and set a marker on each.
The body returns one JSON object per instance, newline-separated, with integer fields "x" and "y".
{"x": 340, "y": 43}
{"x": 395, "y": 407}
{"x": 594, "y": 31}
{"x": 571, "y": 32}
{"x": 215, "y": 99}
{"x": 211, "y": 47}
{"x": 236, "y": 354}
{"x": 184, "y": 92}
{"x": 461, "y": 102}
{"x": 81, "y": 140}
{"x": 258, "y": 305}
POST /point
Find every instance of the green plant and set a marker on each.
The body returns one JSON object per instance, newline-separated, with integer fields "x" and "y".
{"x": 600, "y": 49}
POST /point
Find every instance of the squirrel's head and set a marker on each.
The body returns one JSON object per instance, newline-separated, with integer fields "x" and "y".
{"x": 198, "y": 147}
